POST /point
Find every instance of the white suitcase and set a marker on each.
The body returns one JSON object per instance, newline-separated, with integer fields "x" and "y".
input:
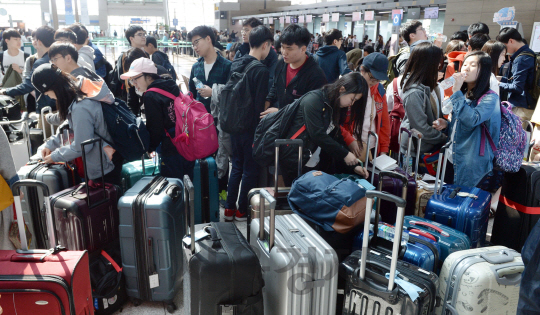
{"x": 480, "y": 281}
{"x": 300, "y": 269}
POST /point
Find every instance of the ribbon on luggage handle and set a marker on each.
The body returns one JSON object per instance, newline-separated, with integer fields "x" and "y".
{"x": 519, "y": 207}
{"x": 411, "y": 289}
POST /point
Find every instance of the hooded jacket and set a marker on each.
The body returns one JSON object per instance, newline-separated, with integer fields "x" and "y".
{"x": 333, "y": 62}
{"x": 309, "y": 78}
{"x": 454, "y": 57}
{"x": 87, "y": 54}
{"x": 160, "y": 116}
{"x": 257, "y": 78}
{"x": 85, "y": 118}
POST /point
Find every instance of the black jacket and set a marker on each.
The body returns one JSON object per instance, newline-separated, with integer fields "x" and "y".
{"x": 258, "y": 79}
{"x": 316, "y": 113}
{"x": 160, "y": 115}
{"x": 309, "y": 78}
{"x": 270, "y": 61}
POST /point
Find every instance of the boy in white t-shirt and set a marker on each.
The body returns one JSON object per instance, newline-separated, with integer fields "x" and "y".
{"x": 12, "y": 53}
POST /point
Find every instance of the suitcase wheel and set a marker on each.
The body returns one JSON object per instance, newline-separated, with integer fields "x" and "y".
{"x": 171, "y": 307}
{"x": 135, "y": 301}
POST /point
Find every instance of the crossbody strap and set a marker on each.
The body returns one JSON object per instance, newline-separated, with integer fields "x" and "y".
{"x": 485, "y": 132}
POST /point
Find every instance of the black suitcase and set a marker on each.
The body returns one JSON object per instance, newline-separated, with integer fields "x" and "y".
{"x": 368, "y": 291}
{"x": 519, "y": 207}
{"x": 222, "y": 274}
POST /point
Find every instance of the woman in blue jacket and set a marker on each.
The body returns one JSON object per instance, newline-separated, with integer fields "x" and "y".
{"x": 474, "y": 105}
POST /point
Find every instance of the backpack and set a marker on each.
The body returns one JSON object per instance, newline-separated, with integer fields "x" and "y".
{"x": 26, "y": 55}
{"x": 512, "y": 140}
{"x": 236, "y": 102}
{"x": 108, "y": 70}
{"x": 396, "y": 116}
{"x": 333, "y": 204}
{"x": 115, "y": 84}
{"x": 195, "y": 132}
{"x": 108, "y": 283}
{"x": 535, "y": 88}
{"x": 167, "y": 65}
{"x": 393, "y": 71}
{"x": 130, "y": 136}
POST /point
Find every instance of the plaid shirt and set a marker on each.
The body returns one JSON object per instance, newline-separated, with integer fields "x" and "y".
{"x": 218, "y": 75}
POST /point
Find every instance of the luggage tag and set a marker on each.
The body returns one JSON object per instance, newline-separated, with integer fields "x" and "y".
{"x": 466, "y": 194}
{"x": 411, "y": 289}
{"x": 198, "y": 236}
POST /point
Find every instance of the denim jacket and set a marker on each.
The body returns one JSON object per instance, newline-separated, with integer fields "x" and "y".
{"x": 467, "y": 117}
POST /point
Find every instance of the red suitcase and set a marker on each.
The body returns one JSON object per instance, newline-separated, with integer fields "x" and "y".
{"x": 87, "y": 218}
{"x": 48, "y": 282}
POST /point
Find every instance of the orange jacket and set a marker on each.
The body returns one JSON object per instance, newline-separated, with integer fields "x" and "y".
{"x": 381, "y": 121}
{"x": 452, "y": 57}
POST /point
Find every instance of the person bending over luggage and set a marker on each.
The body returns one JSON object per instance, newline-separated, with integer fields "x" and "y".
{"x": 473, "y": 104}
{"x": 85, "y": 116}
{"x": 422, "y": 99}
{"x": 322, "y": 112}
{"x": 160, "y": 114}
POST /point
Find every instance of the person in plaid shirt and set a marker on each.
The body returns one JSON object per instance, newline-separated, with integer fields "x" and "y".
{"x": 211, "y": 68}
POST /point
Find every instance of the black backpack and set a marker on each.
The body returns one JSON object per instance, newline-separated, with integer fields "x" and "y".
{"x": 108, "y": 283}
{"x": 235, "y": 102}
{"x": 108, "y": 69}
{"x": 115, "y": 84}
{"x": 167, "y": 65}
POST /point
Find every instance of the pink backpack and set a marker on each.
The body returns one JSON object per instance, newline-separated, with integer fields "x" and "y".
{"x": 196, "y": 135}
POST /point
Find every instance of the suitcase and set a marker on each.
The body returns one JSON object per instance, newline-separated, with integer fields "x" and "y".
{"x": 393, "y": 186}
{"x": 481, "y": 281}
{"x": 133, "y": 171}
{"x": 10, "y": 108}
{"x": 449, "y": 239}
{"x": 368, "y": 291}
{"x": 151, "y": 231}
{"x": 222, "y": 274}
{"x": 57, "y": 177}
{"x": 465, "y": 209}
{"x": 86, "y": 215}
{"x": 51, "y": 281}
{"x": 207, "y": 195}
{"x": 519, "y": 207}
{"x": 19, "y": 142}
{"x": 299, "y": 267}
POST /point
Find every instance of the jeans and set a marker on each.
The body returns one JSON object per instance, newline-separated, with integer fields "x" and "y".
{"x": 176, "y": 166}
{"x": 244, "y": 169}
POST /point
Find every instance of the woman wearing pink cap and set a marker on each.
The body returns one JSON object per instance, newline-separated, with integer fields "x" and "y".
{"x": 160, "y": 115}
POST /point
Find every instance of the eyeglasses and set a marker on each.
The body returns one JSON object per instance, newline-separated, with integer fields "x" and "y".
{"x": 196, "y": 42}
{"x": 140, "y": 34}
{"x": 133, "y": 80}
{"x": 53, "y": 60}
{"x": 245, "y": 31}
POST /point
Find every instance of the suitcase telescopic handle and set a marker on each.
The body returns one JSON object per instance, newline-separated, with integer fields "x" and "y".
{"x": 442, "y": 154}
{"x": 430, "y": 226}
{"x": 277, "y": 144}
{"x": 189, "y": 193}
{"x": 398, "y": 230}
{"x": 265, "y": 195}
{"x": 372, "y": 134}
{"x": 15, "y": 188}
{"x": 105, "y": 198}
{"x": 401, "y": 131}
{"x": 42, "y": 116}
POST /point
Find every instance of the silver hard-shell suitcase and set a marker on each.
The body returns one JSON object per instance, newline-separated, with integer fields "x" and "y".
{"x": 300, "y": 269}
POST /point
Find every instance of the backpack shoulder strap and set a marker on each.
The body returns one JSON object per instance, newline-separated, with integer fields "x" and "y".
{"x": 162, "y": 92}
{"x": 485, "y": 132}
{"x": 252, "y": 65}
{"x": 396, "y": 94}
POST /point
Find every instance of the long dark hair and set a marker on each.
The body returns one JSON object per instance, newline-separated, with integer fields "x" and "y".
{"x": 484, "y": 74}
{"x": 422, "y": 66}
{"x": 494, "y": 49}
{"x": 66, "y": 90}
{"x": 353, "y": 83}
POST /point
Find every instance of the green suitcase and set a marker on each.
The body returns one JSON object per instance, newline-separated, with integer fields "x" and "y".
{"x": 133, "y": 171}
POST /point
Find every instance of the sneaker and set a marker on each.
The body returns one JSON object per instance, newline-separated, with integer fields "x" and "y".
{"x": 229, "y": 214}
{"x": 239, "y": 216}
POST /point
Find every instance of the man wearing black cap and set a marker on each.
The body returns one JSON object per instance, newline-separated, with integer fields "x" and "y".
{"x": 376, "y": 119}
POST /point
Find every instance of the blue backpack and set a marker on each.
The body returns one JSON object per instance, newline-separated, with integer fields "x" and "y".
{"x": 512, "y": 140}
{"x": 333, "y": 204}
{"x": 130, "y": 136}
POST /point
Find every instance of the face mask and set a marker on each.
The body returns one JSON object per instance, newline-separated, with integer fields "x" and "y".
{"x": 138, "y": 92}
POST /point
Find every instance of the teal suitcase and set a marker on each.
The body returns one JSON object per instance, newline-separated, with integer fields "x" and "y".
{"x": 206, "y": 185}
{"x": 133, "y": 171}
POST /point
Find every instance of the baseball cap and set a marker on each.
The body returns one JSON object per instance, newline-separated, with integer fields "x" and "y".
{"x": 45, "y": 77}
{"x": 141, "y": 65}
{"x": 377, "y": 64}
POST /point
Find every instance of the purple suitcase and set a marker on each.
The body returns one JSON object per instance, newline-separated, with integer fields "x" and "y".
{"x": 393, "y": 186}
{"x": 86, "y": 221}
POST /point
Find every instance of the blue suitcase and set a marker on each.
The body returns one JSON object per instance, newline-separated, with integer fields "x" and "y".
{"x": 449, "y": 239}
{"x": 465, "y": 209}
{"x": 206, "y": 184}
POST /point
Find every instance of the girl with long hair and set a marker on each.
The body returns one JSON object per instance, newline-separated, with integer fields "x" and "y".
{"x": 322, "y": 112}
{"x": 474, "y": 107}
{"x": 497, "y": 51}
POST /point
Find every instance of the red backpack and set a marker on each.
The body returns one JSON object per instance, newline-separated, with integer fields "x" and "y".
{"x": 195, "y": 132}
{"x": 396, "y": 116}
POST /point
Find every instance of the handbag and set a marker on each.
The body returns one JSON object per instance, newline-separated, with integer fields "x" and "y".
{"x": 6, "y": 196}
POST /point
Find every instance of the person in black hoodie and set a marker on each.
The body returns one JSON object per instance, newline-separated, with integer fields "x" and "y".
{"x": 269, "y": 61}
{"x": 160, "y": 115}
{"x": 244, "y": 167}
{"x": 297, "y": 73}
{"x": 158, "y": 57}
